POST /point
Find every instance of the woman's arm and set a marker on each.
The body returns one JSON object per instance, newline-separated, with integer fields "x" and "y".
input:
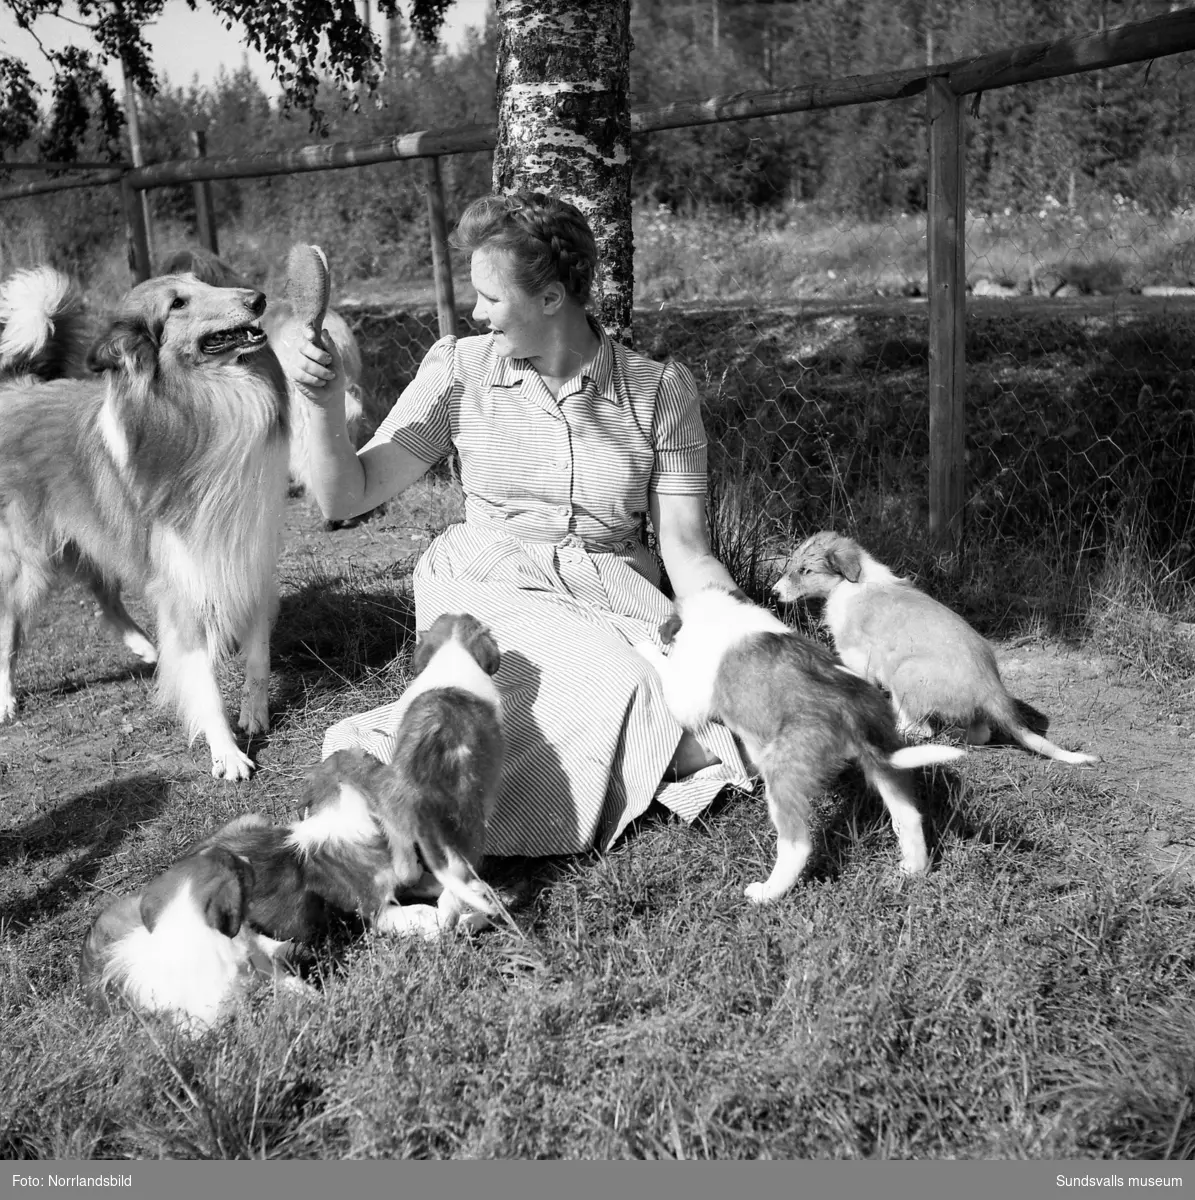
{"x": 680, "y": 525}
{"x": 344, "y": 483}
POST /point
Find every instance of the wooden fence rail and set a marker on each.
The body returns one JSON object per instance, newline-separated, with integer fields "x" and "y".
{"x": 1138, "y": 41}
{"x": 943, "y": 84}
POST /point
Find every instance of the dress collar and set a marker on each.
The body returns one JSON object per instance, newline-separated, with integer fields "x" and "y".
{"x": 607, "y": 381}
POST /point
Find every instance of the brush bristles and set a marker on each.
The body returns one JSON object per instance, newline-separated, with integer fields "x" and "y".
{"x": 308, "y": 285}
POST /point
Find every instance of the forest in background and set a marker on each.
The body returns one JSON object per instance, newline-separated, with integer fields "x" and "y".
{"x": 1120, "y": 136}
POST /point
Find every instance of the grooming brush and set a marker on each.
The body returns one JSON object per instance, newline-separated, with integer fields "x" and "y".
{"x": 309, "y": 286}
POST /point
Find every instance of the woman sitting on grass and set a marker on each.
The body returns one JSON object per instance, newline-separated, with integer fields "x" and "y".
{"x": 565, "y": 440}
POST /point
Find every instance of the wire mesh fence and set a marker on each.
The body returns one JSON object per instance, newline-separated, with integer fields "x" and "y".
{"x": 807, "y": 330}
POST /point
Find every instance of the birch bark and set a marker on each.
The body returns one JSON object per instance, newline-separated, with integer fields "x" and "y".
{"x": 564, "y": 126}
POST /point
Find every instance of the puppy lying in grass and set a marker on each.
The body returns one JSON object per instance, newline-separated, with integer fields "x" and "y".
{"x": 183, "y": 947}
{"x": 800, "y": 715}
{"x": 931, "y": 662}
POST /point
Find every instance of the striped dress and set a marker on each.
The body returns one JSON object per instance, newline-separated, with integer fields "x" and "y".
{"x": 549, "y": 557}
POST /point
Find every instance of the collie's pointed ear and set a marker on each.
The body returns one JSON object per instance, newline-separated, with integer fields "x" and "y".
{"x": 844, "y": 559}
{"x": 422, "y": 654}
{"x": 480, "y": 643}
{"x": 219, "y": 883}
{"x": 224, "y": 894}
{"x": 129, "y": 345}
{"x": 431, "y": 639}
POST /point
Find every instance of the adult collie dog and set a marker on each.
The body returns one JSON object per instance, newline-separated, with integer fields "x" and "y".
{"x": 283, "y": 326}
{"x": 800, "y": 714}
{"x": 166, "y": 472}
{"x": 931, "y": 662}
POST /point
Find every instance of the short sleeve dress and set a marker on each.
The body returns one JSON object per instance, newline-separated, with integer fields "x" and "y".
{"x": 549, "y": 556}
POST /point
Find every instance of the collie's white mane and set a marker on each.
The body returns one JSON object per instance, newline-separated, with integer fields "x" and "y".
{"x": 183, "y": 967}
{"x": 713, "y": 622}
{"x": 346, "y": 821}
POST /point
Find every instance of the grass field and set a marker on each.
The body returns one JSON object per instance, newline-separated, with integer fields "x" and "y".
{"x": 1029, "y": 998}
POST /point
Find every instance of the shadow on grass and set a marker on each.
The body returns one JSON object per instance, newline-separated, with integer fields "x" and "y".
{"x": 329, "y": 632}
{"x": 80, "y": 683}
{"x": 858, "y": 813}
{"x": 98, "y": 821}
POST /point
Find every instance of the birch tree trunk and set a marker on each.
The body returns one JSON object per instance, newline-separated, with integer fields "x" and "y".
{"x": 564, "y": 125}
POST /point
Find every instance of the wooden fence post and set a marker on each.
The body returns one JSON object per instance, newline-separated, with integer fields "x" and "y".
{"x": 946, "y": 237}
{"x": 205, "y": 211}
{"x": 441, "y": 264}
{"x": 143, "y": 224}
{"x": 138, "y": 236}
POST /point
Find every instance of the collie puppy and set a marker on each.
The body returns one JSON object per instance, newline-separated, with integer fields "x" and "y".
{"x": 435, "y": 797}
{"x": 167, "y": 473}
{"x": 929, "y": 660}
{"x": 183, "y": 947}
{"x": 446, "y": 772}
{"x": 293, "y": 895}
{"x": 342, "y": 853}
{"x": 282, "y": 326}
{"x": 43, "y": 326}
{"x": 333, "y": 859}
{"x": 800, "y": 715}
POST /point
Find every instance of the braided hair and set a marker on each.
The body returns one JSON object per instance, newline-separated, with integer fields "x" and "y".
{"x": 549, "y": 240}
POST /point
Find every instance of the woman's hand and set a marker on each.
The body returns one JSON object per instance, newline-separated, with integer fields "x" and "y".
{"x": 315, "y": 369}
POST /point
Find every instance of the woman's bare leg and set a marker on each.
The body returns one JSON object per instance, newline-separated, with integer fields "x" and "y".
{"x": 690, "y": 757}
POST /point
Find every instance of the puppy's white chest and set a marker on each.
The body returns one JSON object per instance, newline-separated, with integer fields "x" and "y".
{"x": 857, "y": 654}
{"x": 689, "y": 678}
{"x": 835, "y": 612}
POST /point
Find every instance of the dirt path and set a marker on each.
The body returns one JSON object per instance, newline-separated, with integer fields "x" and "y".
{"x": 1145, "y": 735}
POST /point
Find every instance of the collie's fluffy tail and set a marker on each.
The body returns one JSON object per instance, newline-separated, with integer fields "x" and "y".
{"x": 41, "y": 330}
{"x": 924, "y": 756}
{"x": 1047, "y": 749}
{"x": 1008, "y": 714}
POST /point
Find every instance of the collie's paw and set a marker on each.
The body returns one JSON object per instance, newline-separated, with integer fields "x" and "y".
{"x": 254, "y": 718}
{"x": 291, "y": 985}
{"x": 917, "y": 864}
{"x": 1077, "y": 758}
{"x": 405, "y": 920}
{"x": 142, "y": 647}
{"x": 8, "y": 708}
{"x": 651, "y": 652}
{"x": 232, "y": 764}
{"x": 759, "y": 893}
{"x": 255, "y": 707}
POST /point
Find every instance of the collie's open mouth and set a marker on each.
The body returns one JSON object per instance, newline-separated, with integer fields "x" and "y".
{"x": 243, "y": 337}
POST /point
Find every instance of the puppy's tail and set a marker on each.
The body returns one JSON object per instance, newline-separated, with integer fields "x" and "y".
{"x": 908, "y": 757}
{"x": 41, "y": 313}
{"x": 1007, "y": 713}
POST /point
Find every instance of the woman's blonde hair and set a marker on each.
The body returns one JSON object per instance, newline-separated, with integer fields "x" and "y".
{"x": 549, "y": 240}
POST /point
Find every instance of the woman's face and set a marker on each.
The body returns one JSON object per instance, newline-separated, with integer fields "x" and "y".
{"x": 516, "y": 318}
